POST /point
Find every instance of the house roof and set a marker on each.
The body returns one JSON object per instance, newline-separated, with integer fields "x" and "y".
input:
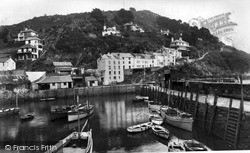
{"x": 56, "y": 79}
{"x": 3, "y": 59}
{"x": 90, "y": 78}
{"x": 123, "y": 54}
{"x": 62, "y": 64}
{"x": 13, "y": 79}
{"x": 34, "y": 76}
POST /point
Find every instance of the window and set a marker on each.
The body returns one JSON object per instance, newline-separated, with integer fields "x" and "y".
{"x": 129, "y": 67}
{"x": 119, "y": 72}
{"x": 119, "y": 67}
{"x": 65, "y": 83}
{"x": 129, "y": 62}
{"x": 129, "y": 58}
{"x": 53, "y": 84}
{"x": 114, "y": 62}
{"x": 114, "y": 72}
{"x": 114, "y": 77}
{"x": 109, "y": 72}
{"x": 118, "y": 62}
{"x": 109, "y": 62}
{"x": 119, "y": 77}
{"x": 114, "y": 67}
{"x": 109, "y": 67}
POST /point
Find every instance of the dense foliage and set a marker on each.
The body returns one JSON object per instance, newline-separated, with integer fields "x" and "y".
{"x": 77, "y": 38}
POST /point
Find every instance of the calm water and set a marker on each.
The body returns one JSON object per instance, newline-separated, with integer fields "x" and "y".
{"x": 109, "y": 122}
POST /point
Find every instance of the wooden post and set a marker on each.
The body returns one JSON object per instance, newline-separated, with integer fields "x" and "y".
{"x": 228, "y": 113}
{"x": 205, "y": 112}
{"x": 213, "y": 114}
{"x": 197, "y": 105}
{"x": 241, "y": 109}
{"x": 185, "y": 101}
{"x": 190, "y": 102}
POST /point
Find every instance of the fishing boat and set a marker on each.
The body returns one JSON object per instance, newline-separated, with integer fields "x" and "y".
{"x": 177, "y": 118}
{"x": 174, "y": 145}
{"x": 140, "y": 127}
{"x": 10, "y": 111}
{"x": 59, "y": 112}
{"x": 160, "y": 131}
{"x": 76, "y": 142}
{"x": 158, "y": 120}
{"x": 84, "y": 111}
{"x": 27, "y": 117}
{"x": 139, "y": 98}
{"x": 193, "y": 145}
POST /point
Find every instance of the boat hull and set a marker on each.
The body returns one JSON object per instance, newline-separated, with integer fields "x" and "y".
{"x": 177, "y": 121}
{"x": 139, "y": 127}
{"x": 9, "y": 112}
{"x": 82, "y": 114}
{"x": 160, "y": 131}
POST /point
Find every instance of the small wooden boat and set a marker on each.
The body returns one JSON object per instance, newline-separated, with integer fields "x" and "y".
{"x": 139, "y": 98}
{"x": 140, "y": 127}
{"x": 27, "y": 117}
{"x": 193, "y": 145}
{"x": 9, "y": 111}
{"x": 158, "y": 120}
{"x": 160, "y": 131}
{"x": 48, "y": 99}
{"x": 174, "y": 145}
{"x": 177, "y": 118}
{"x": 80, "y": 112}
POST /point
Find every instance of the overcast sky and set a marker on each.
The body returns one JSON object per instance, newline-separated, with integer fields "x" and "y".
{"x": 16, "y": 11}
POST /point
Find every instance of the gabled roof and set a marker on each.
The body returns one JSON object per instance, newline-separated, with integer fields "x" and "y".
{"x": 33, "y": 76}
{"x": 90, "y": 78}
{"x": 62, "y": 64}
{"x": 56, "y": 79}
{"x": 13, "y": 79}
{"x": 123, "y": 54}
{"x": 3, "y": 59}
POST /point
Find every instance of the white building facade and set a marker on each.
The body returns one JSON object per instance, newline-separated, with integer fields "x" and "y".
{"x": 111, "y": 68}
{"x": 32, "y": 47}
{"x": 7, "y": 64}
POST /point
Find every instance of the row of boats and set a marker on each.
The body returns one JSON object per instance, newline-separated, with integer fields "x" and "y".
{"x": 174, "y": 117}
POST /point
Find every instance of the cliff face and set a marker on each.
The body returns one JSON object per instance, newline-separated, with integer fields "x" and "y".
{"x": 77, "y": 38}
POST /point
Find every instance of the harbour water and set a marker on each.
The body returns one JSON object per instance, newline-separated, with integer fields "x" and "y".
{"x": 111, "y": 117}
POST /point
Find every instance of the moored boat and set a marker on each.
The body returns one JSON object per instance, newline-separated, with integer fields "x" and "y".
{"x": 9, "y": 111}
{"x": 140, "y": 127}
{"x": 158, "y": 120}
{"x": 140, "y": 98}
{"x": 48, "y": 99}
{"x": 59, "y": 112}
{"x": 76, "y": 142}
{"x": 84, "y": 111}
{"x": 177, "y": 118}
{"x": 27, "y": 117}
{"x": 174, "y": 145}
{"x": 154, "y": 106}
{"x": 160, "y": 131}
{"x": 193, "y": 145}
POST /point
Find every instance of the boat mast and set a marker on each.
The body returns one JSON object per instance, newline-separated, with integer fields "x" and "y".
{"x": 16, "y": 99}
{"x": 78, "y": 120}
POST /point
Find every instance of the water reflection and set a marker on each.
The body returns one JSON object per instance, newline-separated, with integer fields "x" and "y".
{"x": 111, "y": 117}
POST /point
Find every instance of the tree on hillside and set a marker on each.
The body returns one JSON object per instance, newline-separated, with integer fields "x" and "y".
{"x": 123, "y": 17}
{"x": 97, "y": 14}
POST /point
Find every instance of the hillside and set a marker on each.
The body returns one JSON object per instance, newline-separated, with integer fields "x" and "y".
{"x": 77, "y": 38}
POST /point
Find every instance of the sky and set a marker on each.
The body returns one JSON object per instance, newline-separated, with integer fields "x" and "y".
{"x": 16, "y": 11}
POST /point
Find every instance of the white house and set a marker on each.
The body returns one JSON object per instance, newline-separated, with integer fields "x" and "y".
{"x": 111, "y": 68}
{"x": 32, "y": 47}
{"x": 91, "y": 81}
{"x": 7, "y": 64}
{"x": 110, "y": 31}
{"x": 144, "y": 61}
{"x": 179, "y": 44}
{"x": 133, "y": 27}
{"x": 128, "y": 59}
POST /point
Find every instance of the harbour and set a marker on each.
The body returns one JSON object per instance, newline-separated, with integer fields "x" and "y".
{"x": 112, "y": 115}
